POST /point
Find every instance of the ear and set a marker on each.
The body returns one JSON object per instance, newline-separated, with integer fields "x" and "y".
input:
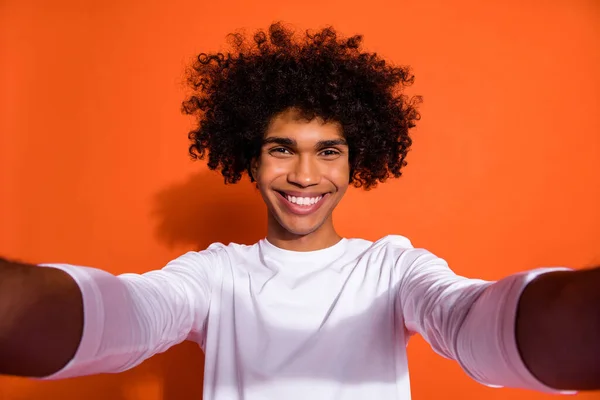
{"x": 254, "y": 169}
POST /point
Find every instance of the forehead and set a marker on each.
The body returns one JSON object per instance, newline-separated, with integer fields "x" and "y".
{"x": 291, "y": 125}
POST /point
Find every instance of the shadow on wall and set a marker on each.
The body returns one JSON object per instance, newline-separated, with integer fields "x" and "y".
{"x": 200, "y": 211}
{"x": 193, "y": 214}
{"x": 203, "y": 210}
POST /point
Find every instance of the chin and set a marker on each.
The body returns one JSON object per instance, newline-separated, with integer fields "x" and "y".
{"x": 300, "y": 229}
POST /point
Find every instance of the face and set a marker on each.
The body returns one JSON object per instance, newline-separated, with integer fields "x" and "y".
{"x": 302, "y": 173}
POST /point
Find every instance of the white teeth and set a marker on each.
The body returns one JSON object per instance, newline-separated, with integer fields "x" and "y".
{"x": 303, "y": 201}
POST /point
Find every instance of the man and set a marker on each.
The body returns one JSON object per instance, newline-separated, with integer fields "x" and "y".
{"x": 303, "y": 313}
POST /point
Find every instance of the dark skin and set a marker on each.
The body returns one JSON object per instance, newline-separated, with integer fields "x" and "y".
{"x": 558, "y": 318}
{"x": 558, "y": 329}
{"x": 306, "y": 158}
{"x": 41, "y": 319}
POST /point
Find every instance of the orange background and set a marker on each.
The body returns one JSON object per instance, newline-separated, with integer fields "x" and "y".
{"x": 504, "y": 174}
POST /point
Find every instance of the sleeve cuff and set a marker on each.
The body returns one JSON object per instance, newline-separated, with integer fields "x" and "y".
{"x": 487, "y": 346}
{"x": 93, "y": 319}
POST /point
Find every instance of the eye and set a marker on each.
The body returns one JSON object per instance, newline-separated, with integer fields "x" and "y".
{"x": 330, "y": 153}
{"x": 279, "y": 151}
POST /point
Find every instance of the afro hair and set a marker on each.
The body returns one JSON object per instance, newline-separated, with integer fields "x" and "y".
{"x": 235, "y": 95}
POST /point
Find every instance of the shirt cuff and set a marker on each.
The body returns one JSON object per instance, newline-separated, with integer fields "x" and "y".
{"x": 93, "y": 319}
{"x": 487, "y": 345}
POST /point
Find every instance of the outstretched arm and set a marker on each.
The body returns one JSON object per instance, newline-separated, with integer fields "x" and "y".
{"x": 558, "y": 329}
{"x": 62, "y": 321}
{"x": 554, "y": 345}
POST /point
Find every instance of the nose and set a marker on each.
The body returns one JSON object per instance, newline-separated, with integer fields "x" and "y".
{"x": 305, "y": 172}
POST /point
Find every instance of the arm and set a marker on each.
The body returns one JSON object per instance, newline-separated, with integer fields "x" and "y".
{"x": 468, "y": 320}
{"x": 37, "y": 306}
{"x": 558, "y": 329}
{"x": 126, "y": 318}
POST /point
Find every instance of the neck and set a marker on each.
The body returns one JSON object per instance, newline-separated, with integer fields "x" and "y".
{"x": 323, "y": 237}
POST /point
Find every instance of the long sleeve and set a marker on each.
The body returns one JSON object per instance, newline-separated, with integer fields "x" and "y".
{"x": 468, "y": 320}
{"x": 130, "y": 317}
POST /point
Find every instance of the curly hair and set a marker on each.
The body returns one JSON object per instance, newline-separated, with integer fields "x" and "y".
{"x": 236, "y": 94}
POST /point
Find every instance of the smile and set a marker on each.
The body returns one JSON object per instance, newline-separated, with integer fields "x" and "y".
{"x": 301, "y": 204}
{"x": 303, "y": 201}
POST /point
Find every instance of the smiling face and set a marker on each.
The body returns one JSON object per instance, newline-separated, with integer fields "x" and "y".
{"x": 302, "y": 173}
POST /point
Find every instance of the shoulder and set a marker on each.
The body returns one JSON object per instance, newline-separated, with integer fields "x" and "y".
{"x": 389, "y": 243}
{"x": 396, "y": 251}
{"x": 213, "y": 257}
{"x": 394, "y": 241}
{"x": 231, "y": 250}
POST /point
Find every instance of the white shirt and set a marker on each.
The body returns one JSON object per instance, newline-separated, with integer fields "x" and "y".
{"x": 326, "y": 324}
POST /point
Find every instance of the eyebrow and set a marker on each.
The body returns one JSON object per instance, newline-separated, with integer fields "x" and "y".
{"x": 285, "y": 141}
